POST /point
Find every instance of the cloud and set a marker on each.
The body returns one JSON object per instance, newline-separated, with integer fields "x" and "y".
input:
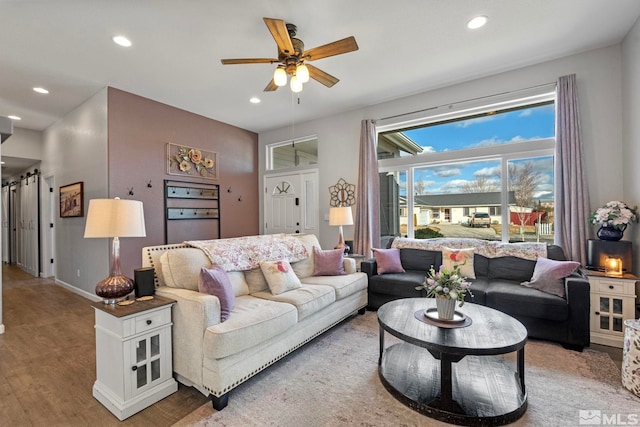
{"x": 470, "y": 122}
{"x": 487, "y": 172}
{"x": 446, "y": 171}
{"x": 525, "y": 113}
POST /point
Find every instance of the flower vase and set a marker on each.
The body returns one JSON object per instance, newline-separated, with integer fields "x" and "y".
{"x": 612, "y": 234}
{"x": 446, "y": 307}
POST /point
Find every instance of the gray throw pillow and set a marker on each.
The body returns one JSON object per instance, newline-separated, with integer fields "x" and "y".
{"x": 214, "y": 281}
{"x": 548, "y": 275}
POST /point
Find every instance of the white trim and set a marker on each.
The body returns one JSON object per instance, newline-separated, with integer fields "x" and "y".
{"x": 1, "y": 328}
{"x": 81, "y": 292}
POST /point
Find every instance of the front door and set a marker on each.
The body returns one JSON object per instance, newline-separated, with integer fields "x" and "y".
{"x": 291, "y": 203}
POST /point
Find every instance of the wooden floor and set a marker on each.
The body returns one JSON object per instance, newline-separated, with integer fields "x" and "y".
{"x": 47, "y": 361}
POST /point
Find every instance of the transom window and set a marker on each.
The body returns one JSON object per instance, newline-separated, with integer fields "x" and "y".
{"x": 292, "y": 154}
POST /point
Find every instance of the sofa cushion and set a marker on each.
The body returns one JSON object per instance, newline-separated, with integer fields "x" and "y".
{"x": 388, "y": 260}
{"x": 252, "y": 321}
{"x": 256, "y": 281}
{"x": 481, "y": 265}
{"x": 511, "y": 268}
{"x": 328, "y": 263}
{"x": 479, "y": 287}
{"x": 214, "y": 281}
{"x": 548, "y": 274}
{"x": 418, "y": 259}
{"x": 460, "y": 257}
{"x": 181, "y": 267}
{"x": 307, "y": 299}
{"x": 511, "y": 298}
{"x": 280, "y": 276}
{"x": 304, "y": 268}
{"x": 398, "y": 284}
{"x": 343, "y": 286}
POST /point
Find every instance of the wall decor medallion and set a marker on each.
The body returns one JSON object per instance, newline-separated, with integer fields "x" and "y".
{"x": 189, "y": 161}
{"x": 72, "y": 200}
{"x": 342, "y": 194}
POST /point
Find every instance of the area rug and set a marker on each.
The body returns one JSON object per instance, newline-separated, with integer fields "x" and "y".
{"x": 333, "y": 381}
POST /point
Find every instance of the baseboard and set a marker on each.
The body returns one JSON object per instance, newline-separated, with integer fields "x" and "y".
{"x": 81, "y": 292}
{"x": 1, "y": 328}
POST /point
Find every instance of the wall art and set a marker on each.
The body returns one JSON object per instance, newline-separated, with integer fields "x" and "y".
{"x": 72, "y": 200}
{"x": 193, "y": 162}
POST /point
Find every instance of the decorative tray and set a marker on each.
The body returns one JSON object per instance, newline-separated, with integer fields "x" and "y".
{"x": 432, "y": 314}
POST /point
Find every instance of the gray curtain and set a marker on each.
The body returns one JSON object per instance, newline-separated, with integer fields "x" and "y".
{"x": 367, "y": 224}
{"x": 572, "y": 194}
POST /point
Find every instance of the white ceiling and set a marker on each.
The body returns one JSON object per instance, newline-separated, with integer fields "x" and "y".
{"x": 406, "y": 46}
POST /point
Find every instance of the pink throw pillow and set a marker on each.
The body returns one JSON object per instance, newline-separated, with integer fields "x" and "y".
{"x": 388, "y": 260}
{"x": 328, "y": 263}
{"x": 214, "y": 281}
{"x": 548, "y": 275}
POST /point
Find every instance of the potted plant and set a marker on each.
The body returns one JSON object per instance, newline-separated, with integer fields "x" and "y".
{"x": 613, "y": 217}
{"x": 447, "y": 286}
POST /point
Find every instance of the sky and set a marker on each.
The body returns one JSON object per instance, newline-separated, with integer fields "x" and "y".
{"x": 502, "y": 128}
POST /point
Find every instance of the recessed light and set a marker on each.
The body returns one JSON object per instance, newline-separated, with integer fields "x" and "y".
{"x": 40, "y": 90}
{"x": 477, "y": 22}
{"x": 254, "y": 100}
{"x": 122, "y": 41}
{"x": 15, "y": 117}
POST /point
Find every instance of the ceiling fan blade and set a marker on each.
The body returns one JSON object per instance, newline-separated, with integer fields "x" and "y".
{"x": 278, "y": 29}
{"x": 271, "y": 86}
{"x": 336, "y": 48}
{"x": 317, "y": 74}
{"x": 249, "y": 61}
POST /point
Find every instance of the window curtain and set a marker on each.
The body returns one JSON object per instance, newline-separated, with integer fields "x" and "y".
{"x": 571, "y": 192}
{"x": 367, "y": 226}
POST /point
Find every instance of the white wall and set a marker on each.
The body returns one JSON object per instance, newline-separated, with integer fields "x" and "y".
{"x": 75, "y": 149}
{"x": 631, "y": 130}
{"x": 24, "y": 143}
{"x": 599, "y": 76}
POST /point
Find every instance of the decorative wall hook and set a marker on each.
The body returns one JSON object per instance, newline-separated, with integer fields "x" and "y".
{"x": 131, "y": 191}
{"x": 240, "y": 198}
{"x": 229, "y": 190}
{"x": 149, "y": 184}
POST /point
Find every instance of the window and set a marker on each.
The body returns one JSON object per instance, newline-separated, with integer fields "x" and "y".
{"x": 292, "y": 154}
{"x": 497, "y": 160}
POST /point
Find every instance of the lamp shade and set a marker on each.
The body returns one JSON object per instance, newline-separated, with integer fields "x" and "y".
{"x": 340, "y": 216}
{"x": 115, "y": 218}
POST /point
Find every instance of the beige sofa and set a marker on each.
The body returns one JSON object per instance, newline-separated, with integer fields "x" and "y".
{"x": 215, "y": 357}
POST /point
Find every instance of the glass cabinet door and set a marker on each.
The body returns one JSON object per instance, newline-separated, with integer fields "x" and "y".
{"x": 610, "y": 314}
{"x": 148, "y": 362}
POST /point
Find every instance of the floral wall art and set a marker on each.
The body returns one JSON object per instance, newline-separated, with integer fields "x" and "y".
{"x": 189, "y": 161}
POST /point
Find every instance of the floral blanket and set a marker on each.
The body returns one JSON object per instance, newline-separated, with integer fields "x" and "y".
{"x": 486, "y": 248}
{"x": 245, "y": 253}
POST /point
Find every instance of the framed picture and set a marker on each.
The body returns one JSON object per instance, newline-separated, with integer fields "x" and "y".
{"x": 72, "y": 200}
{"x": 193, "y": 162}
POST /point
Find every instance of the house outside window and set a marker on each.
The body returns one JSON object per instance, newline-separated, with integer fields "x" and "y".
{"x": 496, "y": 159}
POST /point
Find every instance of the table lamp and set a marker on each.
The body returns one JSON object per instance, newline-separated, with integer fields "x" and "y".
{"x": 340, "y": 216}
{"x": 114, "y": 218}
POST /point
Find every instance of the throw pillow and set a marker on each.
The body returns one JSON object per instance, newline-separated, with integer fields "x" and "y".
{"x": 548, "y": 275}
{"x": 462, "y": 257}
{"x": 280, "y": 276}
{"x": 215, "y": 281}
{"x": 388, "y": 260}
{"x": 328, "y": 263}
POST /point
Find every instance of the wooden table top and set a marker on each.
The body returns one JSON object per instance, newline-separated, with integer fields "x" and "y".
{"x": 491, "y": 331}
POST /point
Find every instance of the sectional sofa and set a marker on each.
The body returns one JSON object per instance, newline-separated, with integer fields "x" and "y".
{"x": 499, "y": 269}
{"x": 214, "y": 355}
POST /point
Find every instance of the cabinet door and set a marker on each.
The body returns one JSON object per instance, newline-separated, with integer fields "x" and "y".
{"x": 607, "y": 313}
{"x": 150, "y": 359}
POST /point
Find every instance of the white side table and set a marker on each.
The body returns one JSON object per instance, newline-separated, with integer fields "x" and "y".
{"x": 613, "y": 300}
{"x": 133, "y": 355}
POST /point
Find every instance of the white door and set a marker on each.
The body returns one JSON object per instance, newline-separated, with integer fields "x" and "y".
{"x": 291, "y": 203}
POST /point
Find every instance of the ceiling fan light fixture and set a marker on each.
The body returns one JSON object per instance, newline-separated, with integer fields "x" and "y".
{"x": 302, "y": 73}
{"x": 280, "y": 77}
{"x": 296, "y": 85}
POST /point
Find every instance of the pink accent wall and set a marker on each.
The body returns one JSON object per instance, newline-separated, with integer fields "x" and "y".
{"x": 139, "y": 130}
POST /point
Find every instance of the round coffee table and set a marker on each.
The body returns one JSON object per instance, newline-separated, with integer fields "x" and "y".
{"x": 483, "y": 388}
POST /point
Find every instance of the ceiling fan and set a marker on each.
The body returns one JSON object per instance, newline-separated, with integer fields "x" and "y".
{"x": 292, "y": 57}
